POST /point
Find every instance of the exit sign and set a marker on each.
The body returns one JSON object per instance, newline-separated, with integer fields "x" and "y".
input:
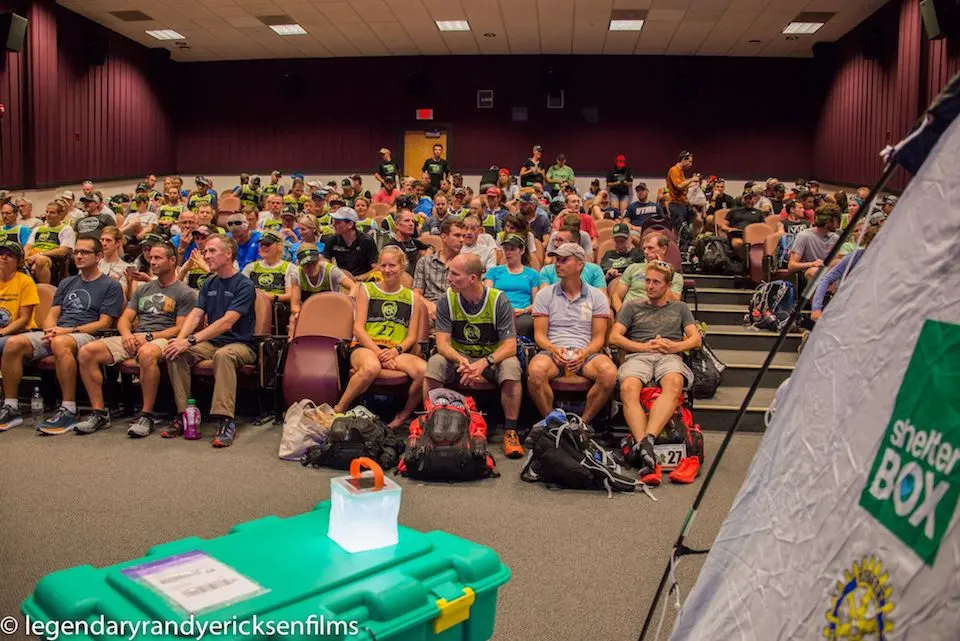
{"x": 424, "y": 114}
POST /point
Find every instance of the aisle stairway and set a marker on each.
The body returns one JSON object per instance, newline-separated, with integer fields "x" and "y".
{"x": 724, "y": 300}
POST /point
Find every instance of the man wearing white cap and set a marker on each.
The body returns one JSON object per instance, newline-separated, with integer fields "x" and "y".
{"x": 351, "y": 251}
{"x": 386, "y": 169}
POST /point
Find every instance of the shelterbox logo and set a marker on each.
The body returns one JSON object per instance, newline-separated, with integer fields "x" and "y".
{"x": 914, "y": 484}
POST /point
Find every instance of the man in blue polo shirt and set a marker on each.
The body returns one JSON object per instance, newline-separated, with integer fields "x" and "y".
{"x": 247, "y": 240}
{"x": 570, "y": 321}
{"x": 228, "y": 303}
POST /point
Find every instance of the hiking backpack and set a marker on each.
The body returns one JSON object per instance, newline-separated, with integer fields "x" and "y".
{"x": 562, "y": 454}
{"x": 448, "y": 442}
{"x": 679, "y": 439}
{"x": 714, "y": 255}
{"x": 771, "y": 305}
{"x": 707, "y": 370}
{"x": 353, "y": 435}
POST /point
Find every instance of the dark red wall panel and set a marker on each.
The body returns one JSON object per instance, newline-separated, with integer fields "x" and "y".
{"x": 312, "y": 117}
{"x": 13, "y": 94}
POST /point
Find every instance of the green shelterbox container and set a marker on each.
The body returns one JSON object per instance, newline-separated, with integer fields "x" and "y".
{"x": 280, "y": 578}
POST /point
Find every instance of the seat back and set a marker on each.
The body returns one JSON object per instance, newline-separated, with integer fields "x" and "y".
{"x": 755, "y": 236}
{"x": 720, "y": 216}
{"x": 606, "y": 223}
{"x": 770, "y": 253}
{"x": 326, "y": 314}
{"x": 674, "y": 257}
{"x": 228, "y": 204}
{"x": 380, "y": 210}
{"x": 45, "y": 293}
{"x": 603, "y": 234}
{"x": 773, "y": 222}
{"x": 434, "y": 241}
{"x": 263, "y": 308}
{"x": 604, "y": 247}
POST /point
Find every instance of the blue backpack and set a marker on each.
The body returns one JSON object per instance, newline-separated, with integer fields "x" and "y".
{"x": 771, "y": 305}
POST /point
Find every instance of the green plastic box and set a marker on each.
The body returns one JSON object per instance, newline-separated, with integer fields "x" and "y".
{"x": 432, "y": 586}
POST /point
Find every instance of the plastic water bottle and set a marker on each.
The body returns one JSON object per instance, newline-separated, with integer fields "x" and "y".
{"x": 191, "y": 421}
{"x": 568, "y": 354}
{"x": 36, "y": 407}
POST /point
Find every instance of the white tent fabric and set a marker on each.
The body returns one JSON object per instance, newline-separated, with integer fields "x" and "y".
{"x": 846, "y": 526}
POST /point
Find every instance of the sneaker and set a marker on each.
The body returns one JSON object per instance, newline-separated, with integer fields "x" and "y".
{"x": 143, "y": 426}
{"x": 174, "y": 430}
{"x": 511, "y": 444}
{"x": 688, "y": 470}
{"x": 9, "y": 417}
{"x": 94, "y": 422}
{"x": 226, "y": 433}
{"x": 63, "y": 420}
{"x": 653, "y": 478}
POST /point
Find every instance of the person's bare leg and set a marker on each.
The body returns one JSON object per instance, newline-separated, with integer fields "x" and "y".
{"x": 666, "y": 404}
{"x": 149, "y": 359}
{"x": 510, "y": 397}
{"x": 15, "y": 351}
{"x": 93, "y": 356}
{"x": 540, "y": 372}
{"x": 633, "y": 413}
{"x": 367, "y": 367}
{"x": 603, "y": 373}
{"x": 65, "y": 352}
{"x": 41, "y": 269}
{"x": 414, "y": 367}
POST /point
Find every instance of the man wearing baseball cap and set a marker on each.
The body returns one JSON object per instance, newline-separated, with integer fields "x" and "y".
{"x": 386, "y": 169}
{"x": 570, "y": 321}
{"x": 203, "y": 194}
{"x": 90, "y": 225}
{"x": 314, "y": 275}
{"x": 358, "y": 189}
{"x": 346, "y": 190}
{"x": 559, "y": 174}
{"x": 615, "y": 261}
{"x": 495, "y": 209}
{"x": 274, "y": 186}
{"x": 642, "y": 209}
{"x": 352, "y": 251}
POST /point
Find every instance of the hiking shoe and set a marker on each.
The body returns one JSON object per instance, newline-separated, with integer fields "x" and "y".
{"x": 174, "y": 430}
{"x": 653, "y": 478}
{"x": 93, "y": 422}
{"x": 688, "y": 470}
{"x": 511, "y": 444}
{"x": 143, "y": 426}
{"x": 225, "y": 433}
{"x": 63, "y": 420}
{"x": 9, "y": 417}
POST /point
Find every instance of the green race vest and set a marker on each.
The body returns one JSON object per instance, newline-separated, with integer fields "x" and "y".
{"x": 196, "y": 278}
{"x": 47, "y": 238}
{"x": 12, "y": 234}
{"x": 270, "y": 279}
{"x": 325, "y": 220}
{"x": 476, "y": 335}
{"x": 388, "y": 315}
{"x": 297, "y": 202}
{"x": 249, "y": 196}
{"x": 365, "y": 225}
{"x": 196, "y": 200}
{"x": 323, "y": 285}
{"x": 271, "y": 189}
{"x": 490, "y": 224}
{"x": 170, "y": 211}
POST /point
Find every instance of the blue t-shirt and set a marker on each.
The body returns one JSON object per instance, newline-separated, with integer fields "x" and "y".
{"x": 23, "y": 234}
{"x": 517, "y": 287}
{"x": 249, "y": 251}
{"x": 425, "y": 207}
{"x": 639, "y": 213}
{"x": 591, "y": 275}
{"x": 175, "y": 241}
{"x": 221, "y": 295}
{"x": 83, "y": 302}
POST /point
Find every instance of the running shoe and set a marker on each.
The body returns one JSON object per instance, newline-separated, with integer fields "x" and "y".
{"x": 511, "y": 444}
{"x": 226, "y": 433}
{"x": 62, "y": 421}
{"x": 143, "y": 426}
{"x": 93, "y": 422}
{"x": 175, "y": 429}
{"x": 687, "y": 471}
{"x": 9, "y": 417}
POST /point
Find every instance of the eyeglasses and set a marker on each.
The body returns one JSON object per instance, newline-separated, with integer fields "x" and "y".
{"x": 235, "y": 223}
{"x": 84, "y": 252}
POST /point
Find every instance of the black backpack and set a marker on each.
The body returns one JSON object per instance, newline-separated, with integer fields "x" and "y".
{"x": 707, "y": 370}
{"x": 563, "y": 455}
{"x": 714, "y": 255}
{"x": 352, "y": 437}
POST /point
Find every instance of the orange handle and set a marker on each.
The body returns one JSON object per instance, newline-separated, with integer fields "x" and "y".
{"x": 371, "y": 465}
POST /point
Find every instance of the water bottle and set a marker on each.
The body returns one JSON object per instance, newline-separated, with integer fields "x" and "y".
{"x": 191, "y": 421}
{"x": 36, "y": 407}
{"x": 568, "y": 354}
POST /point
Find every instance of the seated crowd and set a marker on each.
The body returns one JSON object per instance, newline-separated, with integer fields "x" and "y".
{"x": 175, "y": 273}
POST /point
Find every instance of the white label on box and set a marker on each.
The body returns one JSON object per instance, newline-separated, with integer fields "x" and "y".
{"x": 195, "y": 581}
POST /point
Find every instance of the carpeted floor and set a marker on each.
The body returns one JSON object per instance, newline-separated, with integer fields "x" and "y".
{"x": 584, "y": 566}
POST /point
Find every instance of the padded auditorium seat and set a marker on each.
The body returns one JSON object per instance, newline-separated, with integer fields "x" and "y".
{"x": 754, "y": 237}
{"x": 571, "y": 384}
{"x": 262, "y": 327}
{"x": 311, "y": 369}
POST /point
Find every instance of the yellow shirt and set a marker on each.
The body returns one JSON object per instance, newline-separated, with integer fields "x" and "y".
{"x": 19, "y": 291}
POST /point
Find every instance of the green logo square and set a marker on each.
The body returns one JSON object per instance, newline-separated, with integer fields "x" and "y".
{"x": 914, "y": 484}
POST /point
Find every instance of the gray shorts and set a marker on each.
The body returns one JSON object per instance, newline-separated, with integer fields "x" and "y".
{"x": 650, "y": 368}
{"x": 440, "y": 369}
{"x": 41, "y": 349}
{"x": 579, "y": 372}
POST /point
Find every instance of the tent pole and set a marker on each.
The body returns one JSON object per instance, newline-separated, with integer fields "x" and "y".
{"x": 679, "y": 549}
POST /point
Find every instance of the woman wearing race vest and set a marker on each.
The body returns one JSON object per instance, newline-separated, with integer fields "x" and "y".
{"x": 271, "y": 273}
{"x": 296, "y": 197}
{"x": 51, "y": 241}
{"x": 386, "y": 328}
{"x": 12, "y": 231}
{"x": 316, "y": 274}
{"x": 367, "y": 222}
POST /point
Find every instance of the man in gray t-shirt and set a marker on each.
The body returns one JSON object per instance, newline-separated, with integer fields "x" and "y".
{"x": 158, "y": 308}
{"x": 812, "y": 246}
{"x": 652, "y": 333}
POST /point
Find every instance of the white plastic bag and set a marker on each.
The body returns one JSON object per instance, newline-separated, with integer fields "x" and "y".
{"x": 695, "y": 196}
{"x": 304, "y": 425}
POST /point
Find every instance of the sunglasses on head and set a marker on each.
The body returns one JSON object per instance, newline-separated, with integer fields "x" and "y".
{"x": 235, "y": 223}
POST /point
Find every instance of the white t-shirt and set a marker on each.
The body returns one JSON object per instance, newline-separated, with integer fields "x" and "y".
{"x": 292, "y": 276}
{"x": 488, "y": 255}
{"x": 68, "y": 237}
{"x": 148, "y": 218}
{"x": 75, "y": 214}
{"x": 487, "y": 240}
{"x": 117, "y": 270}
{"x": 30, "y": 223}
{"x": 265, "y": 216}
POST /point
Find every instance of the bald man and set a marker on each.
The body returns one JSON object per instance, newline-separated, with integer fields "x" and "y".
{"x": 477, "y": 341}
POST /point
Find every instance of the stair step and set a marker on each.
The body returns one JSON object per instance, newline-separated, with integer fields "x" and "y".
{"x": 737, "y": 337}
{"x": 724, "y": 296}
{"x": 743, "y": 365}
{"x": 717, "y": 413}
{"x": 710, "y": 280}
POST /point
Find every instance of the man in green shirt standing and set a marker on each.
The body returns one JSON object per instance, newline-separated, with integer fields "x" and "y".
{"x": 558, "y": 174}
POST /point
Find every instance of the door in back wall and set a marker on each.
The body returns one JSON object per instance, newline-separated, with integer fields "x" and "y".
{"x": 418, "y": 146}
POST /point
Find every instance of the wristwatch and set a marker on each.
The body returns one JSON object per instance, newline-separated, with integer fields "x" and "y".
{"x": 491, "y": 360}
{"x": 192, "y": 339}
{"x": 149, "y": 337}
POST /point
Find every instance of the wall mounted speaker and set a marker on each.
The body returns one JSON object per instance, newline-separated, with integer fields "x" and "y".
{"x": 931, "y": 22}
{"x": 13, "y": 29}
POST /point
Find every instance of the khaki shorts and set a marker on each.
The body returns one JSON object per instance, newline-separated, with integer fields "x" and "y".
{"x": 440, "y": 369}
{"x": 114, "y": 345}
{"x": 42, "y": 350}
{"x": 650, "y": 368}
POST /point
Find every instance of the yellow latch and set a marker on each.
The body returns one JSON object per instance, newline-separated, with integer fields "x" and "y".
{"x": 453, "y": 612}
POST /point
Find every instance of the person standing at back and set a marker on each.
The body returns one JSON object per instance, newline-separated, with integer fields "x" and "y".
{"x": 532, "y": 170}
{"x": 386, "y": 170}
{"x": 435, "y": 169}
{"x": 619, "y": 184}
{"x": 677, "y": 186}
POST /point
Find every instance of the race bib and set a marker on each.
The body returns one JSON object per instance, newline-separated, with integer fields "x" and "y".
{"x": 669, "y": 455}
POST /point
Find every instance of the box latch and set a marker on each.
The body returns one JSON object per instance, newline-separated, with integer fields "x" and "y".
{"x": 453, "y": 612}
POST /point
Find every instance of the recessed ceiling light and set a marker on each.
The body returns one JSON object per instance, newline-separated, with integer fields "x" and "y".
{"x": 489, "y": 34}
{"x": 288, "y": 29}
{"x": 626, "y": 25}
{"x": 453, "y": 25}
{"x": 166, "y": 34}
{"x": 804, "y": 28}
{"x": 792, "y": 38}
